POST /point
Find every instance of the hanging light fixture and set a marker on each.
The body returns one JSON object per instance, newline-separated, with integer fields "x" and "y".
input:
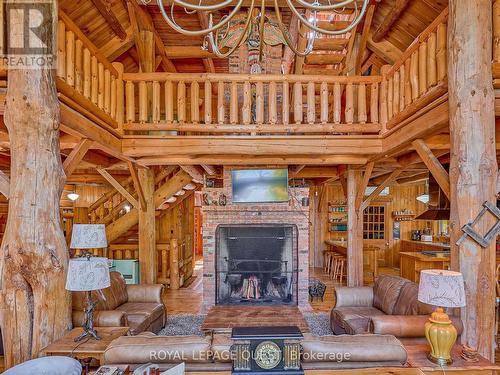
{"x": 259, "y": 30}
{"x": 73, "y": 196}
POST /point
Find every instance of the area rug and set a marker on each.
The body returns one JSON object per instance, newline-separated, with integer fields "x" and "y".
{"x": 183, "y": 325}
{"x": 190, "y": 324}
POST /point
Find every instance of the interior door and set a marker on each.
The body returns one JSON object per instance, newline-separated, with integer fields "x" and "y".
{"x": 376, "y": 233}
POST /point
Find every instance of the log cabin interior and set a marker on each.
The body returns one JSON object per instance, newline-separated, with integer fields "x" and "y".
{"x": 249, "y": 187}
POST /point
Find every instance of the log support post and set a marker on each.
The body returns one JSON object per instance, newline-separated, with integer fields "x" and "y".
{"x": 473, "y": 165}
{"x": 35, "y": 307}
{"x": 355, "y": 230}
{"x": 174, "y": 264}
{"x": 147, "y": 238}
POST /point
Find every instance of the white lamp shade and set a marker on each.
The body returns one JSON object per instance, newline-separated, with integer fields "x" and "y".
{"x": 441, "y": 288}
{"x": 88, "y": 236}
{"x": 86, "y": 274}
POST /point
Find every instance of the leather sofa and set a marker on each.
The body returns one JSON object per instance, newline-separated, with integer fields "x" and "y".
{"x": 138, "y": 307}
{"x": 389, "y": 307}
{"x": 213, "y": 352}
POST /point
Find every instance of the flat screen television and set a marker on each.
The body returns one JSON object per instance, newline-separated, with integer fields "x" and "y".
{"x": 260, "y": 185}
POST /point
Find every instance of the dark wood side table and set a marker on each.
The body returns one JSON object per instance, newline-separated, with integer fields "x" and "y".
{"x": 88, "y": 348}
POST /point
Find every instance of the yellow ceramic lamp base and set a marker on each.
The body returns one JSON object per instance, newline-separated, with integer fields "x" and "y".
{"x": 441, "y": 335}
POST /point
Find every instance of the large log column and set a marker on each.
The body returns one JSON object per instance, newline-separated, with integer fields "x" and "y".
{"x": 473, "y": 168}
{"x": 35, "y": 306}
{"x": 355, "y": 230}
{"x": 147, "y": 238}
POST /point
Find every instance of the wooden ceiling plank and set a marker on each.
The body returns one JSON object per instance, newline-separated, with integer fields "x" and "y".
{"x": 110, "y": 17}
{"x": 104, "y": 173}
{"x": 76, "y": 156}
{"x": 394, "y": 14}
{"x": 435, "y": 167}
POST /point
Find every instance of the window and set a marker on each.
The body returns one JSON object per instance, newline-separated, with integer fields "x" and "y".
{"x": 374, "y": 223}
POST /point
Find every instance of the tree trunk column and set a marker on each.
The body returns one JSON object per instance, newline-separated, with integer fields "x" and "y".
{"x": 148, "y": 262}
{"x": 473, "y": 168}
{"x": 355, "y": 230}
{"x": 35, "y": 306}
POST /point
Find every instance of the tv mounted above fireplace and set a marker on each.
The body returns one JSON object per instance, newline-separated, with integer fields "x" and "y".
{"x": 260, "y": 185}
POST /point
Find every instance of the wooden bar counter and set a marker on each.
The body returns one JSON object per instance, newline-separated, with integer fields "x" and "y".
{"x": 411, "y": 263}
{"x": 369, "y": 255}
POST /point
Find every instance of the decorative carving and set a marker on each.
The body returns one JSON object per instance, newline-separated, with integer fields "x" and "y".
{"x": 267, "y": 355}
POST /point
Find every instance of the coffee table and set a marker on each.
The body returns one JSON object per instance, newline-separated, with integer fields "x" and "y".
{"x": 88, "y": 348}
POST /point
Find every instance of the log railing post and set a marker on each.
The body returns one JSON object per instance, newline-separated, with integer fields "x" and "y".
{"x": 324, "y": 102}
{"x": 208, "y": 102}
{"x": 297, "y": 103}
{"x": 169, "y": 102}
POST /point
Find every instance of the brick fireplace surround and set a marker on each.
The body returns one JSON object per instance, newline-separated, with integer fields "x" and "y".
{"x": 291, "y": 212}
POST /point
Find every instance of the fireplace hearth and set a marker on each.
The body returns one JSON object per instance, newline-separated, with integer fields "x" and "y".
{"x": 256, "y": 264}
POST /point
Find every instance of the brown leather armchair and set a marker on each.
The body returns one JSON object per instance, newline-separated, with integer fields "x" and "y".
{"x": 390, "y": 307}
{"x": 138, "y": 307}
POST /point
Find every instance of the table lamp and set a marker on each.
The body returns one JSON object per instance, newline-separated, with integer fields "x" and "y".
{"x": 86, "y": 274}
{"x": 441, "y": 288}
{"x": 88, "y": 236}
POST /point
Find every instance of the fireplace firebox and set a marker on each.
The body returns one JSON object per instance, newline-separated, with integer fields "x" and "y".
{"x": 256, "y": 264}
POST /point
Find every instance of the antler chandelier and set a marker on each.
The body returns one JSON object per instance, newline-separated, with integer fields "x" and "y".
{"x": 254, "y": 29}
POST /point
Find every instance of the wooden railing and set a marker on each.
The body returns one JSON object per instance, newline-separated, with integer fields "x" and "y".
{"x": 87, "y": 81}
{"x": 496, "y": 44}
{"x": 418, "y": 78}
{"x": 180, "y": 261}
{"x": 255, "y": 104}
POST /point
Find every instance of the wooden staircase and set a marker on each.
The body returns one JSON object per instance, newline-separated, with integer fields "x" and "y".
{"x": 121, "y": 220}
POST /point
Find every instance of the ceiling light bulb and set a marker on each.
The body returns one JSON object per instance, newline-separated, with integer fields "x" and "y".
{"x": 171, "y": 200}
{"x": 424, "y": 198}
{"x": 126, "y": 208}
{"x": 179, "y": 193}
{"x": 73, "y": 196}
{"x": 189, "y": 186}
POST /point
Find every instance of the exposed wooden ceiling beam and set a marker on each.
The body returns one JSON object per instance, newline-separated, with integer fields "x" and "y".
{"x": 187, "y": 52}
{"x": 364, "y": 38}
{"x": 384, "y": 49}
{"x": 381, "y": 187}
{"x": 270, "y": 146}
{"x": 389, "y": 20}
{"x": 136, "y": 15}
{"x": 118, "y": 187}
{"x": 288, "y": 54}
{"x": 224, "y": 159}
{"x": 435, "y": 167}
{"x": 76, "y": 156}
{"x": 364, "y": 184}
{"x": 137, "y": 185}
{"x": 312, "y": 172}
{"x": 207, "y": 62}
{"x": 116, "y": 47}
{"x": 105, "y": 10}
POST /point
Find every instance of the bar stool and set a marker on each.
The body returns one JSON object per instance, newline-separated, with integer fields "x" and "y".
{"x": 340, "y": 268}
{"x": 326, "y": 259}
{"x": 335, "y": 264}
